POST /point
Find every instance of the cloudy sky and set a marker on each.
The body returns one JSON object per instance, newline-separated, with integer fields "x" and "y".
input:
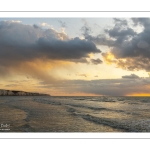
{"x": 76, "y": 56}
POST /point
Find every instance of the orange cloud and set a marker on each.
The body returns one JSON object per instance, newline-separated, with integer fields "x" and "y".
{"x": 109, "y": 58}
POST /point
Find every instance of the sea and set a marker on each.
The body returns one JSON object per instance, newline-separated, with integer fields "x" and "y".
{"x": 74, "y": 114}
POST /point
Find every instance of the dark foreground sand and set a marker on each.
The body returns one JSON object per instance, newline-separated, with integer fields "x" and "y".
{"x": 25, "y": 115}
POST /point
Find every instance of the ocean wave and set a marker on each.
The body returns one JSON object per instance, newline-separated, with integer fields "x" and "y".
{"x": 45, "y": 101}
{"x": 126, "y": 126}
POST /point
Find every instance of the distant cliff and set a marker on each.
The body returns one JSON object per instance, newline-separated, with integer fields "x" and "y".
{"x": 19, "y": 93}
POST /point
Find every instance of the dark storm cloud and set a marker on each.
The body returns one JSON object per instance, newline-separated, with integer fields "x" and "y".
{"x": 114, "y": 36}
{"x": 33, "y": 51}
{"x": 137, "y": 49}
{"x": 123, "y": 34}
{"x": 126, "y": 43}
{"x": 96, "y": 61}
{"x": 102, "y": 39}
{"x": 120, "y": 31}
{"x": 131, "y": 44}
{"x": 20, "y": 42}
{"x": 141, "y": 21}
{"x": 71, "y": 49}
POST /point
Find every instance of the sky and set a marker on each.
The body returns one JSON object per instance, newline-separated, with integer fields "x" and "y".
{"x": 76, "y": 56}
